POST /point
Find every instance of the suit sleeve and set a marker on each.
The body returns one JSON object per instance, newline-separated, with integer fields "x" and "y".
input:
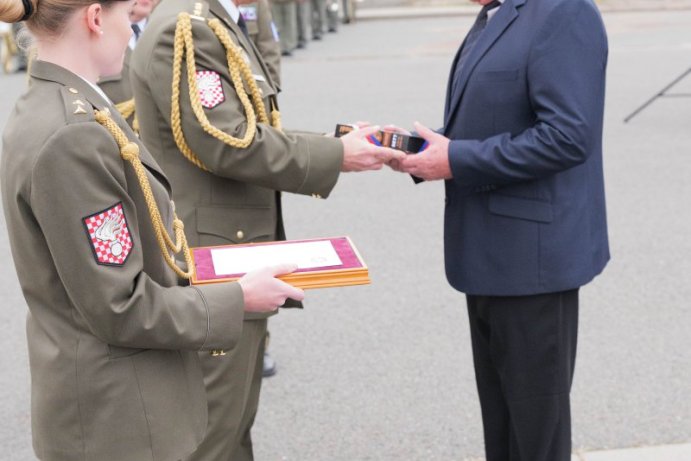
{"x": 121, "y": 304}
{"x": 566, "y": 80}
{"x": 294, "y": 163}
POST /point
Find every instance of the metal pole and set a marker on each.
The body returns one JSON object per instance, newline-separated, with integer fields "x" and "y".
{"x": 657, "y": 95}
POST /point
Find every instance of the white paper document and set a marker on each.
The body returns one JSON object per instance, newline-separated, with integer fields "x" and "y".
{"x": 306, "y": 255}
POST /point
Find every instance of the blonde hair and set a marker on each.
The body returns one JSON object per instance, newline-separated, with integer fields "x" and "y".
{"x": 45, "y": 17}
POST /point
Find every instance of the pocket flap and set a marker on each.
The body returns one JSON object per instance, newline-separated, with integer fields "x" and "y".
{"x": 238, "y": 225}
{"x": 520, "y": 207}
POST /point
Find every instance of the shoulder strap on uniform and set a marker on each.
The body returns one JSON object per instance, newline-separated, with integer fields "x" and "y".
{"x": 129, "y": 151}
{"x": 77, "y": 108}
{"x": 240, "y": 74}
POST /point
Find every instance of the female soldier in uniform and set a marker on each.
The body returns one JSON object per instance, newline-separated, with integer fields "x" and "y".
{"x": 113, "y": 339}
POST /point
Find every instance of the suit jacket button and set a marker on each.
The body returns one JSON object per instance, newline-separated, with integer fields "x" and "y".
{"x": 240, "y": 235}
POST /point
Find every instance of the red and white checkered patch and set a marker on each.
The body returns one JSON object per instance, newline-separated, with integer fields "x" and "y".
{"x": 109, "y": 236}
{"x": 210, "y": 88}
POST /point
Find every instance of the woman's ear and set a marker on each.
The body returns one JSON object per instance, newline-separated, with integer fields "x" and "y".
{"x": 94, "y": 18}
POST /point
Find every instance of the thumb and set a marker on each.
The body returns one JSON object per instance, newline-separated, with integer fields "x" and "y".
{"x": 426, "y": 133}
{"x": 370, "y": 130}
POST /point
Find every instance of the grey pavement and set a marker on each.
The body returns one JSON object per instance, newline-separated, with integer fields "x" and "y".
{"x": 384, "y": 372}
{"x": 393, "y": 9}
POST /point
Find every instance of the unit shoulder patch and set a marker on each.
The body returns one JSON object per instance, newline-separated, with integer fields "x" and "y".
{"x": 210, "y": 88}
{"x": 109, "y": 236}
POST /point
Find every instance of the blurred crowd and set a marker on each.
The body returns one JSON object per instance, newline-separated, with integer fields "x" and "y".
{"x": 292, "y": 23}
{"x": 298, "y": 21}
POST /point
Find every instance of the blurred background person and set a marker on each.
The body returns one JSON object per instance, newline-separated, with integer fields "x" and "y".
{"x": 285, "y": 17}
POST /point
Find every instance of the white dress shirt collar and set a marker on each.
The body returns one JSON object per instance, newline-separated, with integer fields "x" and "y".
{"x": 98, "y": 90}
{"x": 133, "y": 38}
{"x": 231, "y": 8}
{"x": 493, "y": 11}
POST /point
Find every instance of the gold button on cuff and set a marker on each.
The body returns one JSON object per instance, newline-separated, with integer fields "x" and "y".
{"x": 73, "y": 91}
{"x": 218, "y": 353}
{"x": 240, "y": 235}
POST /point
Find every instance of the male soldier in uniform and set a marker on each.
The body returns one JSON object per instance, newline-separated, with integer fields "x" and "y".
{"x": 261, "y": 29}
{"x": 218, "y": 138}
{"x": 285, "y": 15}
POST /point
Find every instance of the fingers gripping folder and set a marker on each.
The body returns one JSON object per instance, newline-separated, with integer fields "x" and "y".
{"x": 398, "y": 141}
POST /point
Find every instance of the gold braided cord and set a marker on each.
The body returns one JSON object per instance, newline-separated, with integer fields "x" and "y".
{"x": 127, "y": 110}
{"x": 129, "y": 151}
{"x": 240, "y": 74}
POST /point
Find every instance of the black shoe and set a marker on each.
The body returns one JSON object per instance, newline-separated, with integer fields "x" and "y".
{"x": 316, "y": 37}
{"x": 302, "y": 45}
{"x": 286, "y": 53}
{"x": 332, "y": 30}
{"x": 269, "y": 366}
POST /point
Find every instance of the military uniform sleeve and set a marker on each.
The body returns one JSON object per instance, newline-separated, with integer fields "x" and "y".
{"x": 294, "y": 163}
{"x": 78, "y": 176}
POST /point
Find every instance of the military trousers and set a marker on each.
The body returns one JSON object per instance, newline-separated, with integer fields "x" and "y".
{"x": 323, "y": 14}
{"x": 233, "y": 384}
{"x": 285, "y": 17}
{"x": 524, "y": 352}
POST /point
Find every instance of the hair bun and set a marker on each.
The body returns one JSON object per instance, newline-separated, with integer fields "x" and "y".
{"x": 17, "y": 10}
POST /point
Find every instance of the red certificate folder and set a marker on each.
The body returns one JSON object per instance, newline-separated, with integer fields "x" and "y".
{"x": 350, "y": 270}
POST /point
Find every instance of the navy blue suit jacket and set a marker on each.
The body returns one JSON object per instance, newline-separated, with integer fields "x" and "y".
{"x": 525, "y": 210}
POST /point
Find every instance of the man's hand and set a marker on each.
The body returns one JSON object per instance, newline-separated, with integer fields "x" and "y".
{"x": 430, "y": 164}
{"x": 359, "y": 154}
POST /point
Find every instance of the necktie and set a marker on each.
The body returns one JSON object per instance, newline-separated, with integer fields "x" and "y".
{"x": 137, "y": 30}
{"x": 243, "y": 26}
{"x": 472, "y": 38}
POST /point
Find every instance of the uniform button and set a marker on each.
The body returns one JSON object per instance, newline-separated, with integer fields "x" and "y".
{"x": 261, "y": 92}
{"x": 240, "y": 235}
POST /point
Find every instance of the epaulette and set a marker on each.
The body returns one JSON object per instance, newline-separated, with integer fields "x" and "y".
{"x": 199, "y": 10}
{"x": 77, "y": 108}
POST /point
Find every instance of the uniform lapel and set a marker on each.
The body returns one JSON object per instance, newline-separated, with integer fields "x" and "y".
{"x": 144, "y": 155}
{"x": 495, "y": 27}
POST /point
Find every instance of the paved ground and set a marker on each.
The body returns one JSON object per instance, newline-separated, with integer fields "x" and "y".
{"x": 384, "y": 372}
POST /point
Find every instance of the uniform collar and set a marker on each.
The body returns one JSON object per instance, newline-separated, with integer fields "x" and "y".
{"x": 44, "y": 70}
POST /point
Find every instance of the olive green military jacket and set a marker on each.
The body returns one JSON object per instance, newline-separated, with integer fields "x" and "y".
{"x": 236, "y": 201}
{"x": 113, "y": 339}
{"x": 262, "y": 31}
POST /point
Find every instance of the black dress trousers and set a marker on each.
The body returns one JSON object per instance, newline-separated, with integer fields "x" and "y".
{"x": 524, "y": 350}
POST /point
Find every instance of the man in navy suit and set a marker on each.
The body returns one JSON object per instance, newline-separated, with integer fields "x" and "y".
{"x": 525, "y": 223}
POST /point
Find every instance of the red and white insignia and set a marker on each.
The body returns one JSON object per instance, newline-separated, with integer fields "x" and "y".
{"x": 109, "y": 236}
{"x": 210, "y": 88}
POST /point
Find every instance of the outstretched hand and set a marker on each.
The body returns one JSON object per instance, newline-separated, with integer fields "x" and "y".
{"x": 430, "y": 164}
{"x": 359, "y": 154}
